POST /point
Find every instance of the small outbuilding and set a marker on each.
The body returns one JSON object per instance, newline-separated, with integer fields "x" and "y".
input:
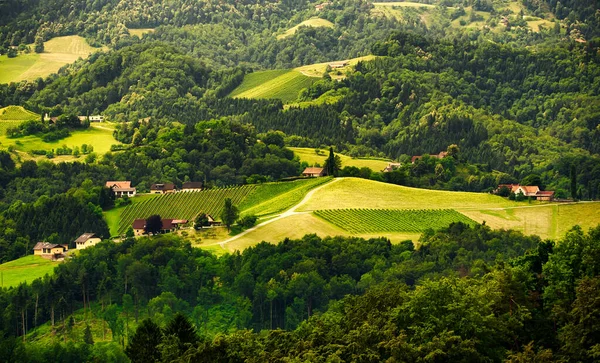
{"x": 162, "y": 188}
{"x": 191, "y": 187}
{"x": 313, "y": 172}
{"x": 50, "y": 251}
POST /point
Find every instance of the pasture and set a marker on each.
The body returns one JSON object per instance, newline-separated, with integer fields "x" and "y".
{"x": 182, "y": 205}
{"x": 312, "y": 158}
{"x": 58, "y": 52}
{"x": 285, "y": 87}
{"x": 25, "y": 269}
{"x": 312, "y": 22}
{"x": 358, "y": 221}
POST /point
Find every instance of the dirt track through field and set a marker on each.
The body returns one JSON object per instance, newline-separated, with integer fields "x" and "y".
{"x": 288, "y": 213}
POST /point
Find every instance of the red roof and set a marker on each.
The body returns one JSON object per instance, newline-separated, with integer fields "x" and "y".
{"x": 313, "y": 171}
{"x": 139, "y": 224}
{"x": 543, "y": 193}
{"x": 119, "y": 184}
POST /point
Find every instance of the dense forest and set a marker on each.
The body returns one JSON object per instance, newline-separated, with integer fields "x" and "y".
{"x": 466, "y": 294}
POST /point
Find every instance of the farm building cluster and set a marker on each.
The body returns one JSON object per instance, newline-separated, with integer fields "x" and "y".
{"x": 58, "y": 251}
{"x": 124, "y": 189}
{"x": 527, "y": 191}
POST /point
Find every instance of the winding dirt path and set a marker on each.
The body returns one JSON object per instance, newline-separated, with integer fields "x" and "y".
{"x": 288, "y": 213}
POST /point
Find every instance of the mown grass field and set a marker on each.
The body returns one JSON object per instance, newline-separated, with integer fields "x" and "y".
{"x": 286, "y": 86}
{"x": 183, "y": 205}
{"x": 312, "y": 22}
{"x": 312, "y": 158}
{"x": 317, "y": 69}
{"x": 357, "y": 221}
{"x": 25, "y": 269}
{"x": 58, "y": 52}
{"x": 271, "y": 198}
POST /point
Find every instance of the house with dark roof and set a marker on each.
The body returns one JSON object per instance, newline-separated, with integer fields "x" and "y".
{"x": 121, "y": 188}
{"x": 191, "y": 187}
{"x": 168, "y": 225}
{"x": 50, "y": 251}
{"x": 162, "y": 188}
{"x": 313, "y": 172}
{"x": 87, "y": 240}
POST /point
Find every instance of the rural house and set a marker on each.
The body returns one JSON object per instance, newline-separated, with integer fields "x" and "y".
{"x": 441, "y": 155}
{"x": 121, "y": 188}
{"x": 313, "y": 172}
{"x": 530, "y": 191}
{"x": 391, "y": 167}
{"x": 162, "y": 188}
{"x": 168, "y": 225}
{"x": 87, "y": 240}
{"x": 191, "y": 186}
{"x": 96, "y": 118}
{"x": 50, "y": 251}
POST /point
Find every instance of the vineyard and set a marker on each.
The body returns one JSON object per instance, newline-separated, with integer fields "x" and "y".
{"x": 391, "y": 220}
{"x": 183, "y": 205}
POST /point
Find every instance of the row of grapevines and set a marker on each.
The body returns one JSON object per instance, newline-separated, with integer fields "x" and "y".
{"x": 361, "y": 221}
{"x": 183, "y": 205}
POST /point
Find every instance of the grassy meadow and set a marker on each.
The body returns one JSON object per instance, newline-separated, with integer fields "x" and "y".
{"x": 285, "y": 85}
{"x": 312, "y": 22}
{"x": 140, "y": 32}
{"x": 100, "y": 136}
{"x": 58, "y": 52}
{"x": 25, "y": 269}
{"x": 12, "y": 116}
{"x": 312, "y": 158}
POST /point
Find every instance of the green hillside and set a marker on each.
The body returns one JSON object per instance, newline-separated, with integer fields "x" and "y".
{"x": 284, "y": 85}
{"x": 312, "y": 22}
{"x": 12, "y": 116}
{"x": 58, "y": 52}
{"x": 25, "y": 269}
{"x": 311, "y": 157}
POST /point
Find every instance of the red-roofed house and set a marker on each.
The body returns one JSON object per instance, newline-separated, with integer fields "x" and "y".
{"x": 168, "y": 225}
{"x": 314, "y": 172}
{"x": 121, "y": 188}
{"x": 532, "y": 191}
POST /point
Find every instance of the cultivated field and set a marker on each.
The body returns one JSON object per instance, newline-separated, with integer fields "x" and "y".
{"x": 12, "y": 116}
{"x": 25, "y": 269}
{"x": 184, "y": 205}
{"x": 256, "y": 79}
{"x": 285, "y": 86}
{"x": 358, "y": 221}
{"x": 365, "y": 208}
{"x": 311, "y": 157}
{"x": 271, "y": 198}
{"x": 313, "y": 22}
{"x": 58, "y": 52}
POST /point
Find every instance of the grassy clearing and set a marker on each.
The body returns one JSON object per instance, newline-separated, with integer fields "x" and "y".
{"x": 184, "y": 205}
{"x": 99, "y": 136}
{"x": 271, "y": 198}
{"x": 12, "y": 116}
{"x": 311, "y": 157}
{"x": 256, "y": 79}
{"x": 286, "y": 87}
{"x": 58, "y": 52}
{"x": 140, "y": 32}
{"x": 317, "y": 69}
{"x": 536, "y": 24}
{"x": 25, "y": 269}
{"x": 312, "y": 22}
{"x": 357, "y": 221}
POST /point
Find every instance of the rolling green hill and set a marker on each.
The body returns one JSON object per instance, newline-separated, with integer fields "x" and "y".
{"x": 311, "y": 157}
{"x": 58, "y": 52}
{"x": 341, "y": 206}
{"x": 12, "y": 116}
